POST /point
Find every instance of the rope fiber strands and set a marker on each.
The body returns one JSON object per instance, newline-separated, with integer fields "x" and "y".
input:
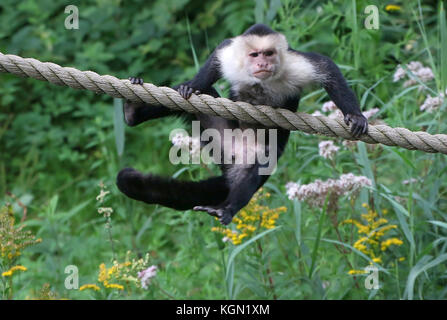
{"x": 261, "y": 115}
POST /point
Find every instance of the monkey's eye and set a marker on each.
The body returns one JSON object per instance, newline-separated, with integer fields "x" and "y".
{"x": 253, "y": 54}
{"x": 268, "y": 53}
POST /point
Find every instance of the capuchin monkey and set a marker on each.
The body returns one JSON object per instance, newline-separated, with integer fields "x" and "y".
{"x": 262, "y": 70}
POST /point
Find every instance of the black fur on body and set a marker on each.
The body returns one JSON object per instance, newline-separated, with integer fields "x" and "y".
{"x": 224, "y": 196}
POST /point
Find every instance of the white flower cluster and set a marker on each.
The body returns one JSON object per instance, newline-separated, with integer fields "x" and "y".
{"x": 399, "y": 74}
{"x": 101, "y": 195}
{"x": 431, "y": 104}
{"x": 349, "y": 143}
{"x": 336, "y": 114}
{"x": 315, "y": 193}
{"x": 146, "y": 275}
{"x": 105, "y": 211}
{"x": 410, "y": 181}
{"x": 330, "y": 106}
{"x": 369, "y": 113}
{"x": 327, "y": 149}
{"x": 425, "y": 74}
{"x": 183, "y": 141}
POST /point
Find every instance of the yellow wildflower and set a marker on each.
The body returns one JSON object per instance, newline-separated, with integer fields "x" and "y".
{"x": 377, "y": 260}
{"x": 11, "y": 271}
{"x": 250, "y": 218}
{"x": 385, "y": 244}
{"x": 89, "y": 286}
{"x": 21, "y": 268}
{"x": 353, "y": 272}
{"x": 392, "y": 7}
{"x": 102, "y": 273}
{"x": 114, "y": 286}
{"x": 360, "y": 246}
{"x": 13, "y": 239}
{"x": 382, "y": 230}
{"x": 127, "y": 271}
{"x": 372, "y": 228}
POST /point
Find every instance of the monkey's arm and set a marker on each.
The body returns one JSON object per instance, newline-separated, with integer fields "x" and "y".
{"x": 338, "y": 90}
{"x": 208, "y": 74}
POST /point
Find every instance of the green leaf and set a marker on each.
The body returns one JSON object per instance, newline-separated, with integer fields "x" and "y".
{"x": 402, "y": 215}
{"x": 118, "y": 125}
{"x": 443, "y": 46}
{"x": 439, "y": 223}
{"x": 230, "y": 264}
{"x": 421, "y": 266}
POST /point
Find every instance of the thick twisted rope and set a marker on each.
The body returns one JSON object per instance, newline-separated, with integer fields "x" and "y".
{"x": 262, "y": 115}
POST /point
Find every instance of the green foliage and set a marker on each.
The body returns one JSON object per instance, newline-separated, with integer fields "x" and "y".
{"x": 57, "y": 144}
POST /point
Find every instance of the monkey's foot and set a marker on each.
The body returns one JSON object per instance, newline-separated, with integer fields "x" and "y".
{"x": 186, "y": 91}
{"x": 225, "y": 215}
{"x": 135, "y": 80}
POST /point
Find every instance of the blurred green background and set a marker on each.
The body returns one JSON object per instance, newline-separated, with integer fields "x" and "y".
{"x": 57, "y": 144}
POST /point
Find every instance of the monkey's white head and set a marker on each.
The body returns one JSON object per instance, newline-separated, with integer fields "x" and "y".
{"x": 253, "y": 58}
{"x": 264, "y": 55}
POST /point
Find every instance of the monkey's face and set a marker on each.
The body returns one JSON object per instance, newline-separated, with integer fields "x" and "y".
{"x": 263, "y": 63}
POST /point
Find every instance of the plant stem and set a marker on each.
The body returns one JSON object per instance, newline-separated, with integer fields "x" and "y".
{"x": 269, "y": 274}
{"x": 10, "y": 288}
{"x": 165, "y": 293}
{"x": 109, "y": 231}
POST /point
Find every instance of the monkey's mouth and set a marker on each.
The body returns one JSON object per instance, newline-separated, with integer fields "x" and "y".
{"x": 262, "y": 74}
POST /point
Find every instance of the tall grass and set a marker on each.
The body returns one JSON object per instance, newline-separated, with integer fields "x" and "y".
{"x": 310, "y": 253}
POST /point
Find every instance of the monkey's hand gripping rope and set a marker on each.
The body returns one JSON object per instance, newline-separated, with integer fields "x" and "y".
{"x": 263, "y": 115}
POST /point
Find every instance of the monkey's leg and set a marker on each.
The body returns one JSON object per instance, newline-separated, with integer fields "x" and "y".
{"x": 136, "y": 113}
{"x": 242, "y": 182}
{"x": 179, "y": 195}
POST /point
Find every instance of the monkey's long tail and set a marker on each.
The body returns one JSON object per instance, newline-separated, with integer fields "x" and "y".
{"x": 168, "y": 192}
